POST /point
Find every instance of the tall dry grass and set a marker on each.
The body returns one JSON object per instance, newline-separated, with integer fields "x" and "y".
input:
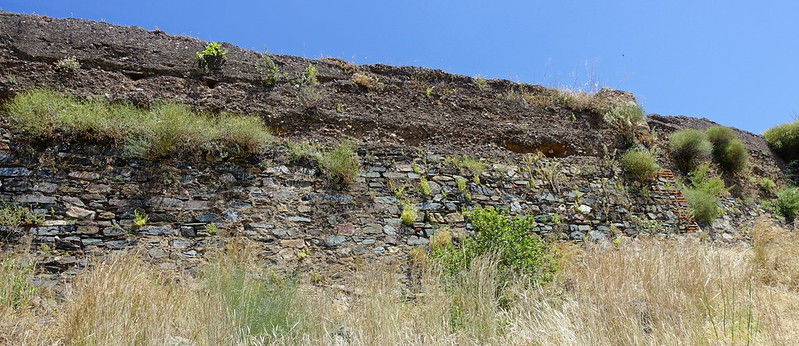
{"x": 641, "y": 292}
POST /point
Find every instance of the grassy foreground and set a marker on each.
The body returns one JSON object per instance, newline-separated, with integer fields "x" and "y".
{"x": 639, "y": 292}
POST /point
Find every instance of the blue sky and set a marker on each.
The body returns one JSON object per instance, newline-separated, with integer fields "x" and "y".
{"x": 733, "y": 62}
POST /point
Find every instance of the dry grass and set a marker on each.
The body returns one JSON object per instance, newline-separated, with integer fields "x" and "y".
{"x": 642, "y": 292}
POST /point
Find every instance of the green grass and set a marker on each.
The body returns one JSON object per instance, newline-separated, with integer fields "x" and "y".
{"x": 728, "y": 151}
{"x": 689, "y": 148}
{"x": 639, "y": 165}
{"x": 784, "y": 139}
{"x": 341, "y": 164}
{"x": 409, "y": 213}
{"x": 164, "y": 129}
{"x": 624, "y": 117}
{"x": 702, "y": 205}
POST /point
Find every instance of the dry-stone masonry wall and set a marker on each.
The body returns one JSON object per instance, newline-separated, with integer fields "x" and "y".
{"x": 89, "y": 195}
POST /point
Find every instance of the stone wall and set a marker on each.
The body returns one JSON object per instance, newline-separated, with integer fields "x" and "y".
{"x": 89, "y": 195}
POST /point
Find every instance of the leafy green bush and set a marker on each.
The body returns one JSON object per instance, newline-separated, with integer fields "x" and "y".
{"x": 640, "y": 164}
{"x": 689, "y": 148}
{"x": 788, "y": 202}
{"x": 728, "y": 151}
{"x": 702, "y": 205}
{"x": 341, "y": 164}
{"x": 520, "y": 251}
{"x": 14, "y": 216}
{"x": 268, "y": 69}
{"x": 784, "y": 139}
{"x": 623, "y": 118}
{"x": 164, "y": 129}
{"x": 212, "y": 55}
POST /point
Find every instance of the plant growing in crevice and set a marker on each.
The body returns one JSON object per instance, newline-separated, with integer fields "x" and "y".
{"x": 139, "y": 219}
{"x": 212, "y": 56}
{"x": 267, "y": 69}
{"x": 624, "y": 118}
{"x": 341, "y": 164}
{"x": 639, "y": 164}
{"x": 67, "y": 64}
{"x": 409, "y": 213}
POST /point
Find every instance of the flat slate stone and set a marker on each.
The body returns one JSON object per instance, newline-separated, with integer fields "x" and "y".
{"x": 14, "y": 172}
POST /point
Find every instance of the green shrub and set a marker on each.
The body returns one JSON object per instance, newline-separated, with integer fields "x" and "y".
{"x": 703, "y": 181}
{"x": 409, "y": 213}
{"x": 767, "y": 184}
{"x": 788, "y": 202}
{"x": 702, "y": 205}
{"x": 341, "y": 164}
{"x": 212, "y": 55}
{"x": 424, "y": 186}
{"x": 268, "y": 69}
{"x": 689, "y": 148}
{"x": 728, "y": 151}
{"x": 14, "y": 216}
{"x": 520, "y": 251}
{"x": 640, "y": 164}
{"x": 164, "y": 129}
{"x": 309, "y": 77}
{"x": 784, "y": 140}
{"x": 624, "y": 117}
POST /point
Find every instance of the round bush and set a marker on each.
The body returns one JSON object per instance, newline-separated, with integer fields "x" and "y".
{"x": 639, "y": 164}
{"x": 784, "y": 139}
{"x": 728, "y": 151}
{"x": 734, "y": 158}
{"x": 702, "y": 205}
{"x": 689, "y": 148}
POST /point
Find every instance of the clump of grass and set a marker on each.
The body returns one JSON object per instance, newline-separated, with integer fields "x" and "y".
{"x": 424, "y": 186}
{"x": 365, "y": 80}
{"x": 728, "y": 151}
{"x": 409, "y": 213}
{"x": 341, "y": 164}
{"x": 212, "y": 228}
{"x": 640, "y": 164}
{"x": 15, "y": 288}
{"x": 788, "y": 202}
{"x": 702, "y": 197}
{"x": 784, "y": 139}
{"x": 480, "y": 82}
{"x": 466, "y": 165}
{"x": 702, "y": 205}
{"x": 624, "y": 118}
{"x": 689, "y": 148}
{"x": 164, "y": 129}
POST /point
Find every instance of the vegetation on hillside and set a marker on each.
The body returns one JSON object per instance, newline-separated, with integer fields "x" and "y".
{"x": 164, "y": 129}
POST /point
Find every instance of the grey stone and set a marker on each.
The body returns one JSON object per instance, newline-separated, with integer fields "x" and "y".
{"x": 335, "y": 240}
{"x": 35, "y": 198}
{"x": 157, "y": 253}
{"x": 414, "y": 240}
{"x": 386, "y": 200}
{"x": 372, "y": 228}
{"x": 14, "y": 172}
{"x": 44, "y": 231}
{"x": 261, "y": 225}
{"x": 181, "y": 243}
{"x": 230, "y": 215}
{"x": 298, "y": 219}
{"x": 82, "y": 175}
{"x": 389, "y": 230}
{"x": 596, "y": 235}
{"x": 163, "y": 230}
{"x": 113, "y": 232}
{"x": 576, "y": 235}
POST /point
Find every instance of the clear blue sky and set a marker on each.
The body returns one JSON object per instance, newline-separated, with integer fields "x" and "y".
{"x": 734, "y": 62}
